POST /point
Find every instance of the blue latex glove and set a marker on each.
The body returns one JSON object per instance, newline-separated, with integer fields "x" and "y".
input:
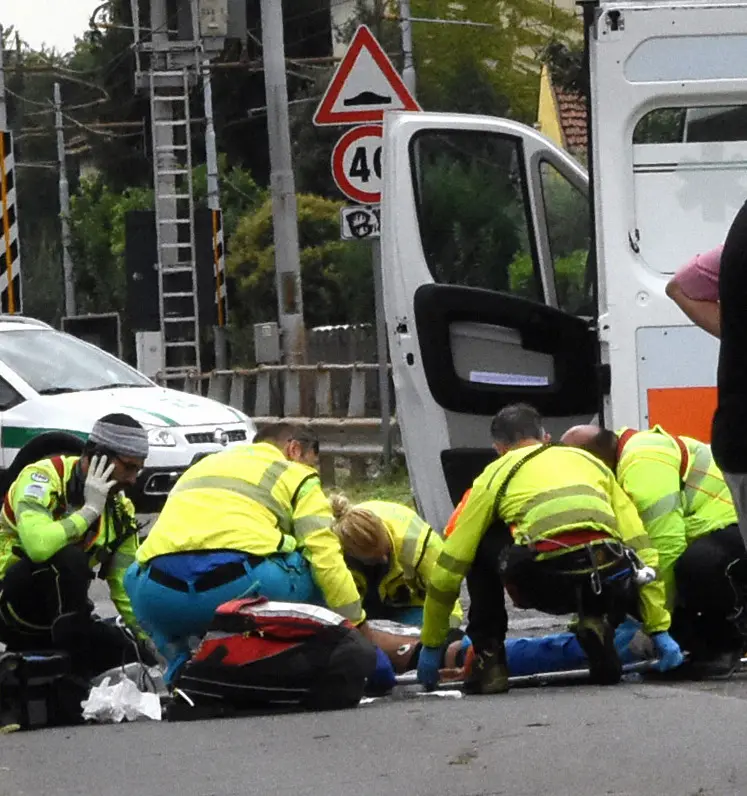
{"x": 383, "y": 678}
{"x": 428, "y": 665}
{"x": 623, "y": 636}
{"x": 670, "y": 654}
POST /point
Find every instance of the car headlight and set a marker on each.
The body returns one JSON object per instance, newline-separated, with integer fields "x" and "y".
{"x": 160, "y": 437}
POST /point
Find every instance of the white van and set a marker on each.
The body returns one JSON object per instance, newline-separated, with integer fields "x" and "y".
{"x": 53, "y": 387}
{"x": 492, "y": 290}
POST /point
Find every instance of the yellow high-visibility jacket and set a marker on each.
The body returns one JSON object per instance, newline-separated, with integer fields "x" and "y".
{"x": 251, "y": 498}
{"x": 415, "y": 547}
{"x": 561, "y": 489}
{"x": 38, "y": 519}
{"x": 675, "y": 510}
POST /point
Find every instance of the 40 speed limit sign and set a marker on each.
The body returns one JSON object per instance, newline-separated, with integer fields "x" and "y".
{"x": 356, "y": 164}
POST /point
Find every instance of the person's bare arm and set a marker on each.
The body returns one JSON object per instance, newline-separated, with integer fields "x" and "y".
{"x": 398, "y": 648}
{"x": 706, "y": 314}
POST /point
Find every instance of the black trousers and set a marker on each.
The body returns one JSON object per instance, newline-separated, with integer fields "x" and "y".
{"x": 706, "y": 596}
{"x": 553, "y": 586}
{"x": 33, "y": 596}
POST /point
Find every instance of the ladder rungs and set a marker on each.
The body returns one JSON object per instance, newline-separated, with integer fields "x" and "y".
{"x": 170, "y": 122}
{"x": 182, "y": 319}
{"x": 176, "y": 269}
{"x": 174, "y": 221}
{"x": 174, "y": 148}
{"x": 182, "y": 344}
{"x": 173, "y": 196}
{"x": 185, "y": 245}
{"x": 175, "y": 45}
{"x": 171, "y": 172}
{"x": 169, "y": 98}
{"x": 179, "y": 294}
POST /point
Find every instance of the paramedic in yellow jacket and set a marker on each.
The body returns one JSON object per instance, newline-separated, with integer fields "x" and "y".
{"x": 249, "y": 519}
{"x": 688, "y": 512}
{"x": 553, "y": 523}
{"x": 62, "y": 518}
{"x": 391, "y": 552}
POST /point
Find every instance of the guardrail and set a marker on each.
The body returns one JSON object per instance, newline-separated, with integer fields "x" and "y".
{"x": 312, "y": 394}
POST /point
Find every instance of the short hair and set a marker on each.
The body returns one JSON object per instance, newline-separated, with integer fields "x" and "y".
{"x": 515, "y": 423}
{"x": 280, "y": 432}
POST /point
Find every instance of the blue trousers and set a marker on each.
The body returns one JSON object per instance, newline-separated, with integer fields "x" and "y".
{"x": 171, "y": 617}
{"x": 560, "y": 652}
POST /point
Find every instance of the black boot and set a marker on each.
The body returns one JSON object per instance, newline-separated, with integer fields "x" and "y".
{"x": 489, "y": 672}
{"x": 597, "y": 639}
{"x": 736, "y": 572}
{"x": 720, "y": 666}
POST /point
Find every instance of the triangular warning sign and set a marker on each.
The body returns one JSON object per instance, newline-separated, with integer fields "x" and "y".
{"x": 365, "y": 84}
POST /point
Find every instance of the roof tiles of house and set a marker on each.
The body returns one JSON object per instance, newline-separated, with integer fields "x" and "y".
{"x": 572, "y": 113}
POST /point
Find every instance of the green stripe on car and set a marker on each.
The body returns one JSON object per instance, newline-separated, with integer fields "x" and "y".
{"x": 18, "y": 436}
{"x": 167, "y": 420}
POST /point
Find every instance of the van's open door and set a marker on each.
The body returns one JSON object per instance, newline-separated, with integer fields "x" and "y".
{"x": 489, "y": 290}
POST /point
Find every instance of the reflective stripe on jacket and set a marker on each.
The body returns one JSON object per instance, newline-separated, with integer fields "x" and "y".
{"x": 559, "y": 490}
{"x": 251, "y": 498}
{"x": 37, "y": 519}
{"x": 415, "y": 547}
{"x": 678, "y": 497}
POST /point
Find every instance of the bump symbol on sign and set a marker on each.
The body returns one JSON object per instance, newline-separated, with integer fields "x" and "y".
{"x": 356, "y": 164}
{"x": 365, "y": 84}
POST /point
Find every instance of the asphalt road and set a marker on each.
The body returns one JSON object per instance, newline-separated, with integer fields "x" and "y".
{"x": 580, "y": 740}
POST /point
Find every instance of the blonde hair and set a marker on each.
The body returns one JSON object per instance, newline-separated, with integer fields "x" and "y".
{"x": 362, "y": 534}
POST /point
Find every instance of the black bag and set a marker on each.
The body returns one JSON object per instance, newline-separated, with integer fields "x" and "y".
{"x": 37, "y": 689}
{"x": 260, "y": 653}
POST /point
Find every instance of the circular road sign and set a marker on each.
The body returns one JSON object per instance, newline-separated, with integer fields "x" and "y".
{"x": 356, "y": 164}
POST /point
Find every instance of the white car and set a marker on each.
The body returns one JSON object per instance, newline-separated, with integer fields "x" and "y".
{"x": 53, "y": 387}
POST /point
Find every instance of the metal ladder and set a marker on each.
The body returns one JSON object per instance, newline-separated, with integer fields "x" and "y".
{"x": 175, "y": 228}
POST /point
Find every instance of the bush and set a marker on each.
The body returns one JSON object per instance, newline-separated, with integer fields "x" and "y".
{"x": 336, "y": 275}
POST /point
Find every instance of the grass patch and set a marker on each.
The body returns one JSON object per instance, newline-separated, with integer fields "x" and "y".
{"x": 393, "y": 485}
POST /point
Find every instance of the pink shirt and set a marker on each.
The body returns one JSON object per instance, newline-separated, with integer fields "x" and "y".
{"x": 698, "y": 277}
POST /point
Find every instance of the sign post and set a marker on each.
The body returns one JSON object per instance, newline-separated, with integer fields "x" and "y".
{"x": 363, "y": 87}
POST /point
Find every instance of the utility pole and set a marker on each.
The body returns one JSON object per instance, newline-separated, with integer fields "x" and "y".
{"x": 282, "y": 185}
{"x": 67, "y": 263}
{"x": 408, "y": 64}
{"x": 382, "y": 347}
{"x": 3, "y": 112}
{"x": 213, "y": 200}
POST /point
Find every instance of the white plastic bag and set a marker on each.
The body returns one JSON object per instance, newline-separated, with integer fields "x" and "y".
{"x": 146, "y": 678}
{"x": 108, "y": 703}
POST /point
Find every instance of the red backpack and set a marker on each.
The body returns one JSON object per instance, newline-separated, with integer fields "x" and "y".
{"x": 260, "y": 652}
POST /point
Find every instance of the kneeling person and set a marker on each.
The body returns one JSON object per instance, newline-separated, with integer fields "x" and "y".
{"x": 250, "y": 519}
{"x": 391, "y": 552}
{"x": 551, "y": 523}
{"x": 688, "y": 513}
{"x": 61, "y": 518}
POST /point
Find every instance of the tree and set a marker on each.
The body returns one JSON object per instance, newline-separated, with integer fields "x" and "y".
{"x": 490, "y": 70}
{"x": 337, "y": 275}
{"x": 508, "y": 50}
{"x": 97, "y": 226}
{"x": 566, "y": 64}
